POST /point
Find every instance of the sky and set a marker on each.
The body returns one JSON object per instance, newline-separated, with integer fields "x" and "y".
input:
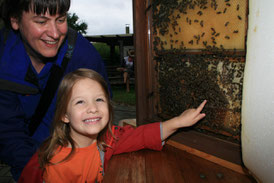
{"x": 104, "y": 17}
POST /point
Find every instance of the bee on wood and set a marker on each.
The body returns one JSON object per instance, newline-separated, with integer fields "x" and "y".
{"x": 238, "y": 7}
{"x": 235, "y": 31}
{"x": 219, "y": 12}
{"x": 191, "y": 42}
{"x": 202, "y": 23}
{"x": 204, "y": 43}
{"x": 196, "y": 21}
{"x": 187, "y": 19}
{"x": 226, "y": 24}
{"x": 176, "y": 41}
{"x": 179, "y": 29}
{"x": 203, "y": 34}
{"x": 213, "y": 31}
{"x": 224, "y": 11}
{"x": 217, "y": 34}
{"x": 200, "y": 13}
{"x": 228, "y": 4}
{"x": 240, "y": 18}
{"x": 227, "y": 37}
{"x": 189, "y": 22}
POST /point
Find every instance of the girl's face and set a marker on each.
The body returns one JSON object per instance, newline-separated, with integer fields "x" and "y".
{"x": 87, "y": 111}
{"x": 44, "y": 34}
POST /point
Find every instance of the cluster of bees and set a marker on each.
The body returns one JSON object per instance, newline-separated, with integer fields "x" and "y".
{"x": 171, "y": 32}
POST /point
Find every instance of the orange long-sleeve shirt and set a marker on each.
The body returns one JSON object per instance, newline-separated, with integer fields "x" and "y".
{"x": 78, "y": 168}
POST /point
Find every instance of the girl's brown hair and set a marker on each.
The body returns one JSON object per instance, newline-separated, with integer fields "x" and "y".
{"x": 60, "y": 132}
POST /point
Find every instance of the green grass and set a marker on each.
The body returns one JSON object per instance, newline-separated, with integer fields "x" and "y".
{"x": 122, "y": 97}
{"x": 104, "y": 51}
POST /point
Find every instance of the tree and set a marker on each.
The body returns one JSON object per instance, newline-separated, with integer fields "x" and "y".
{"x": 75, "y": 24}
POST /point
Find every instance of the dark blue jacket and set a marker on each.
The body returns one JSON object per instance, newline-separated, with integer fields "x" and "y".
{"x": 20, "y": 91}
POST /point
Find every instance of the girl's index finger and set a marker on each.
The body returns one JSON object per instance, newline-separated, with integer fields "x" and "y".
{"x": 201, "y": 106}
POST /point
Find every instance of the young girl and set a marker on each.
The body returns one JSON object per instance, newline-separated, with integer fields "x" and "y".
{"x": 83, "y": 138}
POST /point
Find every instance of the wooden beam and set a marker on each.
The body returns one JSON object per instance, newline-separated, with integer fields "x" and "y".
{"x": 141, "y": 49}
{"x": 235, "y": 167}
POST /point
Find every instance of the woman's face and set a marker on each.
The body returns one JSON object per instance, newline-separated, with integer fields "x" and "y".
{"x": 44, "y": 34}
{"x": 87, "y": 111}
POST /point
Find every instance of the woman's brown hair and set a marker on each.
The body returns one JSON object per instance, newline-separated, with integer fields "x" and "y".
{"x": 60, "y": 132}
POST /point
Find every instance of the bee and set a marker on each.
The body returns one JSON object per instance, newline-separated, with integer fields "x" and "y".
{"x": 213, "y": 31}
{"x": 204, "y": 43}
{"x": 224, "y": 11}
{"x": 196, "y": 21}
{"x": 176, "y": 41}
{"x": 227, "y": 37}
{"x": 191, "y": 42}
{"x": 187, "y": 19}
{"x": 228, "y": 4}
{"x": 202, "y": 23}
{"x": 217, "y": 34}
{"x": 238, "y": 7}
{"x": 240, "y": 18}
{"x": 219, "y": 12}
{"x": 203, "y": 34}
{"x": 226, "y": 24}
{"x": 235, "y": 32}
{"x": 189, "y": 22}
{"x": 200, "y": 13}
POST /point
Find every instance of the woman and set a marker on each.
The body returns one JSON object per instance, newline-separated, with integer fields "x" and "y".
{"x": 34, "y": 40}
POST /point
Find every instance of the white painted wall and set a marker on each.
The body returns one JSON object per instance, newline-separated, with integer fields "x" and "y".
{"x": 258, "y": 92}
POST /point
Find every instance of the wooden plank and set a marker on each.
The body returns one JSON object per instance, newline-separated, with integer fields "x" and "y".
{"x": 210, "y": 145}
{"x": 169, "y": 165}
{"x": 214, "y": 159}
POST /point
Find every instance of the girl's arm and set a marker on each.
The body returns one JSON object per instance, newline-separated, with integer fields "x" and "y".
{"x": 188, "y": 118}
